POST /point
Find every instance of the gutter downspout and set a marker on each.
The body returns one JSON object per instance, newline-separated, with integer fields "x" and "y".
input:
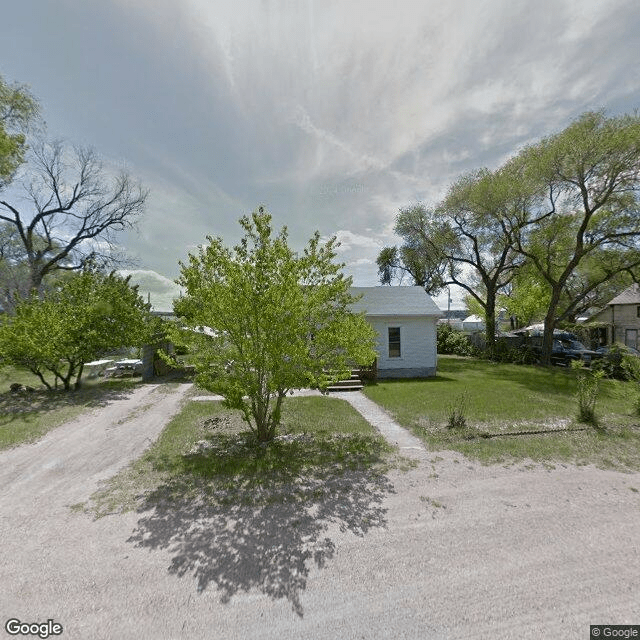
{"x": 613, "y": 324}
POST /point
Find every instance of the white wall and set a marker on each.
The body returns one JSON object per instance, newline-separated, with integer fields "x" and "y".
{"x": 418, "y": 345}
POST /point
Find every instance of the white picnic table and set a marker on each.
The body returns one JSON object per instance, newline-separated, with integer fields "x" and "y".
{"x": 95, "y": 368}
{"x": 126, "y": 366}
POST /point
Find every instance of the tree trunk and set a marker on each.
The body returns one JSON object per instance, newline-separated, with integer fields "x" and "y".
{"x": 35, "y": 281}
{"x": 490, "y": 323}
{"x": 260, "y": 410}
{"x": 80, "y": 369}
{"x": 549, "y": 326}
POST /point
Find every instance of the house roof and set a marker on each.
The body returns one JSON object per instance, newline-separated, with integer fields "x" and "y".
{"x": 628, "y": 296}
{"x": 394, "y": 301}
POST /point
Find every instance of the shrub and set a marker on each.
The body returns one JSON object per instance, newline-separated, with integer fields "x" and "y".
{"x": 587, "y": 392}
{"x": 452, "y": 341}
{"x": 619, "y": 363}
{"x": 505, "y": 352}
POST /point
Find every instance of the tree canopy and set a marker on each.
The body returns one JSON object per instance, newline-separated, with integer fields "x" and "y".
{"x": 268, "y": 320}
{"x": 18, "y": 108}
{"x": 90, "y": 314}
{"x": 590, "y": 176}
{"x": 549, "y": 231}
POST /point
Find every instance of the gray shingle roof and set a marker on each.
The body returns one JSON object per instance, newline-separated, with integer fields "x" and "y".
{"x": 395, "y": 301}
{"x": 628, "y": 296}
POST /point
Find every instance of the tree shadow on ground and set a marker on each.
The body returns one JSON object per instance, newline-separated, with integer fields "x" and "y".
{"x": 262, "y": 534}
{"x": 32, "y": 403}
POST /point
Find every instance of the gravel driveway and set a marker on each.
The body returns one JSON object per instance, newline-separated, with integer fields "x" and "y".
{"x": 449, "y": 549}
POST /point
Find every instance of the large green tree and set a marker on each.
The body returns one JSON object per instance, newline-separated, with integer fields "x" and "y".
{"x": 422, "y": 254}
{"x": 464, "y": 240}
{"x": 588, "y": 178}
{"x": 90, "y": 314}
{"x": 269, "y": 320}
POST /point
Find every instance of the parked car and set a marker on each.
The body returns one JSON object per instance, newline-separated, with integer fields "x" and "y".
{"x": 566, "y": 349}
{"x": 566, "y": 346}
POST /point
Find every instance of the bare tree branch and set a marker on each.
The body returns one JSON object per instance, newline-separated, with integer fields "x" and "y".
{"x": 75, "y": 201}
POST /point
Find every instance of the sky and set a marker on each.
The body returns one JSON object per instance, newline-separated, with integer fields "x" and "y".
{"x": 333, "y": 115}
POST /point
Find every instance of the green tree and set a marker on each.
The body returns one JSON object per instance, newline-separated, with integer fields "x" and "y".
{"x": 418, "y": 256}
{"x": 89, "y": 315}
{"x": 527, "y": 297}
{"x": 18, "y": 108}
{"x": 32, "y": 336}
{"x": 589, "y": 175}
{"x": 269, "y": 320}
{"x": 464, "y": 240}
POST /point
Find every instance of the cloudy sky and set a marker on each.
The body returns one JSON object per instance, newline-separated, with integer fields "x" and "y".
{"x": 332, "y": 114}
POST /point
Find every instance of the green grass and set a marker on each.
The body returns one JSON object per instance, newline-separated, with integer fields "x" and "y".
{"x": 10, "y": 374}
{"x": 27, "y": 416}
{"x": 503, "y": 399}
{"x": 206, "y": 450}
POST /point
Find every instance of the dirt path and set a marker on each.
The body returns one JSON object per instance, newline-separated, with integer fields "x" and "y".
{"x": 449, "y": 549}
{"x": 73, "y": 458}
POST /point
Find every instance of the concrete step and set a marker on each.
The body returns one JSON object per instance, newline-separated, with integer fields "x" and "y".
{"x": 354, "y": 384}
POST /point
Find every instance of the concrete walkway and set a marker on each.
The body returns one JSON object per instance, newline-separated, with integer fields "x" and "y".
{"x": 408, "y": 444}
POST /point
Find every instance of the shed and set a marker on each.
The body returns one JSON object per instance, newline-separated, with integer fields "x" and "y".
{"x": 405, "y": 320}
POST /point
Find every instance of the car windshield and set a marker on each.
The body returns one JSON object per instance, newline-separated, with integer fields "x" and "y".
{"x": 571, "y": 344}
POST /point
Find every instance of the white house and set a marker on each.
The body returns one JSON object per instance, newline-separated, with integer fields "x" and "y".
{"x": 405, "y": 319}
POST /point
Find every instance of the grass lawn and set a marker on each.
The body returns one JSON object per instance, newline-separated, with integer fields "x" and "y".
{"x": 27, "y": 416}
{"x": 206, "y": 450}
{"x": 499, "y": 399}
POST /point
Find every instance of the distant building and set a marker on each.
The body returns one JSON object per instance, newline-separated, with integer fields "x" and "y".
{"x": 473, "y": 323}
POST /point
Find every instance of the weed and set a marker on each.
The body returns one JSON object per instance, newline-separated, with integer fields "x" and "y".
{"x": 456, "y": 412}
{"x": 587, "y": 393}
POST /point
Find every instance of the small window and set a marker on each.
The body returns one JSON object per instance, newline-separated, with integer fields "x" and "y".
{"x": 638, "y": 311}
{"x": 394, "y": 342}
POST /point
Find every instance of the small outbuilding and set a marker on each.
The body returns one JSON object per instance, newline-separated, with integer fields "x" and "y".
{"x": 473, "y": 323}
{"x": 405, "y": 320}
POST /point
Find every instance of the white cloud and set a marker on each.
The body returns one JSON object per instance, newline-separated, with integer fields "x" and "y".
{"x": 333, "y": 114}
{"x": 349, "y": 240}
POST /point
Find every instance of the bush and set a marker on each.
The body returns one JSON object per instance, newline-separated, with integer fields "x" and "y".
{"x": 619, "y": 363}
{"x": 505, "y": 352}
{"x": 452, "y": 341}
{"x": 587, "y": 393}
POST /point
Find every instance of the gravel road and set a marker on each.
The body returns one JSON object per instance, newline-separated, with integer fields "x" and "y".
{"x": 449, "y": 549}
